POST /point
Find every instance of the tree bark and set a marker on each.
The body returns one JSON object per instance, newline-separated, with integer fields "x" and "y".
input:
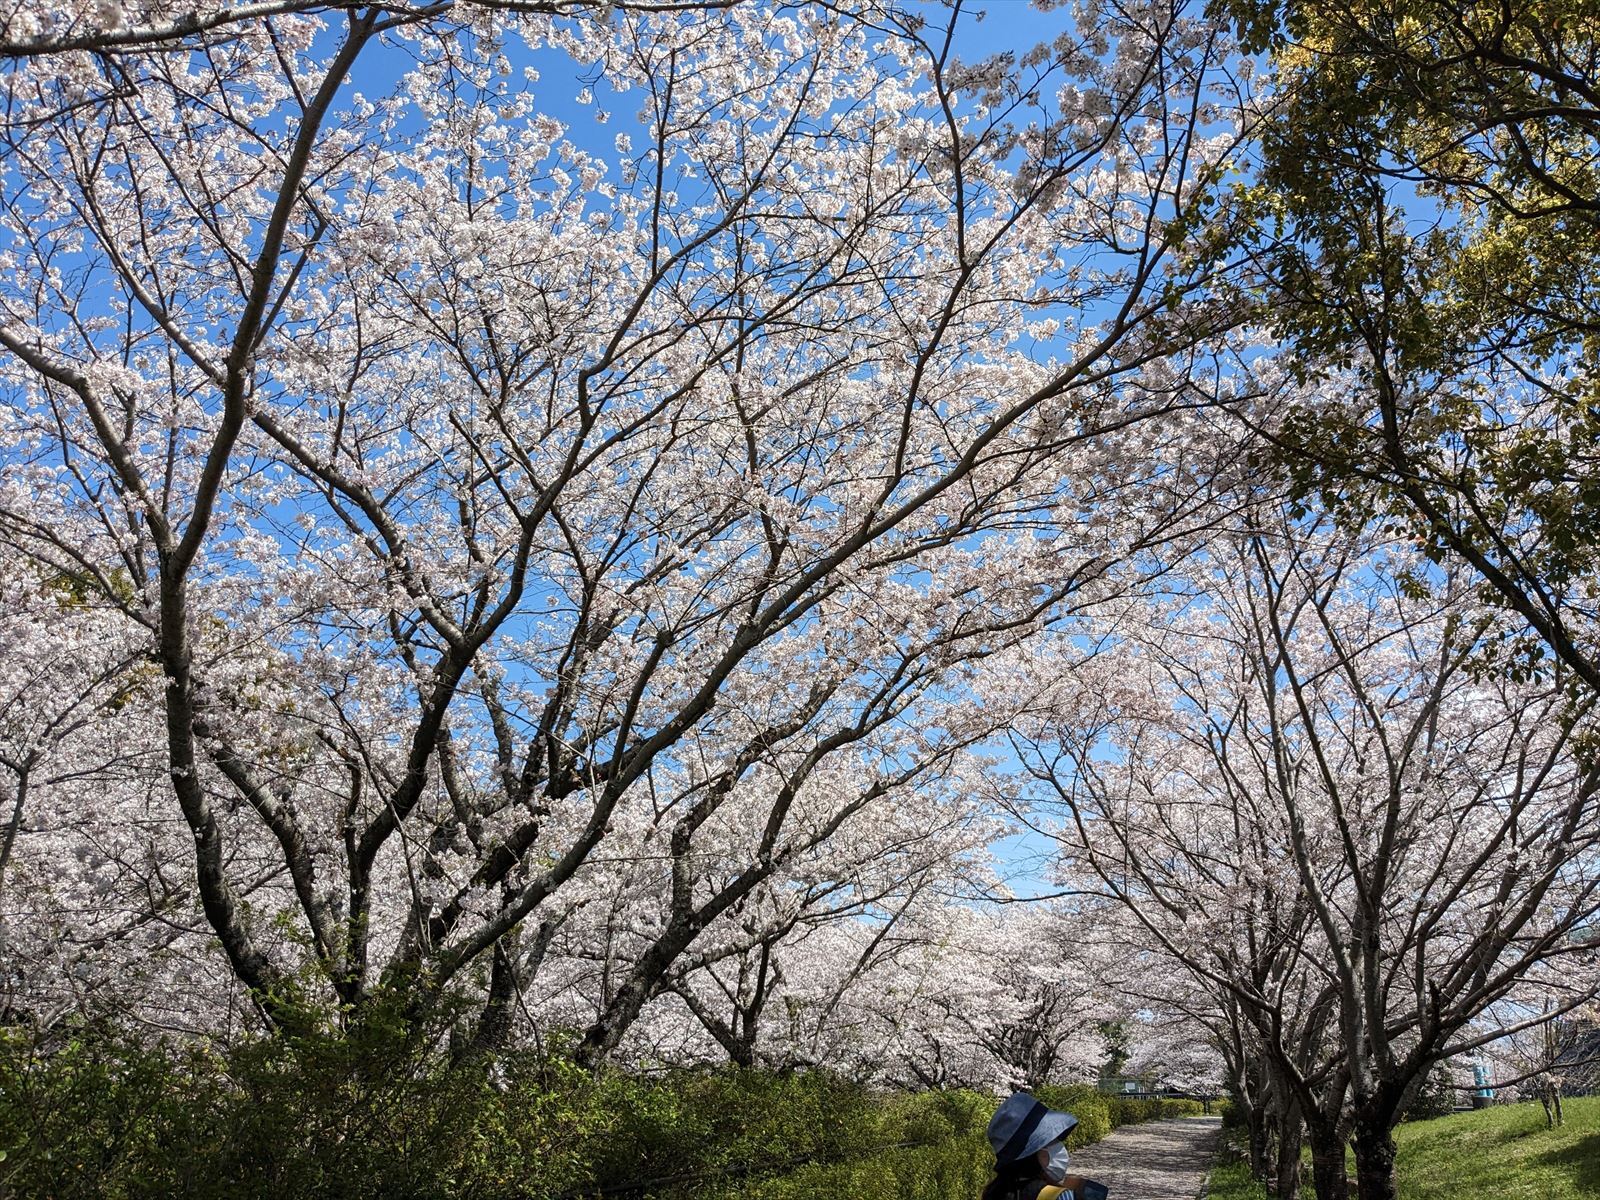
{"x": 1327, "y": 1161}
{"x": 1374, "y": 1147}
{"x": 494, "y": 1022}
{"x": 1257, "y": 1119}
{"x": 738, "y": 1044}
{"x": 606, "y": 1033}
{"x": 1291, "y": 1137}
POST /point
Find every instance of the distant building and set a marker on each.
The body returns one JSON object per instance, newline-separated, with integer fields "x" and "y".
{"x": 1122, "y": 1085}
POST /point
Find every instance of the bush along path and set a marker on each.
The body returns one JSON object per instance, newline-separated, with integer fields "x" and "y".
{"x": 101, "y": 1117}
{"x": 1160, "y": 1160}
{"x": 953, "y": 1163}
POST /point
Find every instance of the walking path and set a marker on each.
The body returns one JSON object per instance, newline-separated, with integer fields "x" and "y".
{"x": 1159, "y": 1160}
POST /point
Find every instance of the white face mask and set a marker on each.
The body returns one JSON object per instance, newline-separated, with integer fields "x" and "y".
{"x": 1055, "y": 1168}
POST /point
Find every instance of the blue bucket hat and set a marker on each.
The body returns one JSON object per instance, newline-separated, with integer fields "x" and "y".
{"x": 1023, "y": 1126}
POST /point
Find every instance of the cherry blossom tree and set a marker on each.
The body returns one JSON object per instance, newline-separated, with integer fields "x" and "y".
{"x": 896, "y": 854}
{"x": 957, "y": 996}
{"x": 66, "y": 680}
{"x": 894, "y": 867}
{"x": 95, "y": 909}
{"x": 1553, "y": 1047}
{"x": 488, "y": 503}
{"x": 154, "y": 24}
{"x": 1423, "y": 834}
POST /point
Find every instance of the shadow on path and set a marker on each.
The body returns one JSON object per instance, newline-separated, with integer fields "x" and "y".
{"x": 1159, "y": 1160}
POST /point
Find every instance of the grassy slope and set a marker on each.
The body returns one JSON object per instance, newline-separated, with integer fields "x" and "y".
{"x": 1503, "y": 1153}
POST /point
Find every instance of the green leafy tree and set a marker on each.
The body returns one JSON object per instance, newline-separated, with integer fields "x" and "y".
{"x": 1429, "y": 225}
{"x": 1118, "y": 1051}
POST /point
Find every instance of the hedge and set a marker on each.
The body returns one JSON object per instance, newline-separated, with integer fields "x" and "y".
{"x": 1135, "y": 1112}
{"x": 958, "y": 1167}
{"x": 955, "y": 1169}
{"x": 102, "y": 1116}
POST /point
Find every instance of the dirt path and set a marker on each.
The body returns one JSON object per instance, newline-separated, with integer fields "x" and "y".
{"x": 1159, "y": 1160}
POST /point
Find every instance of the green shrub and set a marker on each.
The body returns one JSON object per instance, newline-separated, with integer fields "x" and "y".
{"x": 373, "y": 1112}
{"x": 929, "y": 1117}
{"x": 1132, "y": 1112}
{"x": 97, "y": 1117}
{"x": 1090, "y": 1106}
{"x": 1435, "y": 1098}
{"x": 367, "y": 1114}
{"x": 712, "y": 1120}
{"x": 955, "y": 1169}
{"x": 952, "y": 1169}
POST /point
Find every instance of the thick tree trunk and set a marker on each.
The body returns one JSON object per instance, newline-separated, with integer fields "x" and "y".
{"x": 743, "y": 1051}
{"x": 1327, "y": 1161}
{"x": 494, "y": 1022}
{"x": 1257, "y": 1119}
{"x": 1374, "y": 1147}
{"x": 1291, "y": 1137}
{"x": 606, "y": 1033}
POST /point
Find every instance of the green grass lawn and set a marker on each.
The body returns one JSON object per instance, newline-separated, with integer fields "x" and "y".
{"x": 1230, "y": 1180}
{"x": 1503, "y": 1153}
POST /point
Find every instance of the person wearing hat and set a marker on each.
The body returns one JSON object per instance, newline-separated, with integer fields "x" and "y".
{"x": 1030, "y": 1153}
